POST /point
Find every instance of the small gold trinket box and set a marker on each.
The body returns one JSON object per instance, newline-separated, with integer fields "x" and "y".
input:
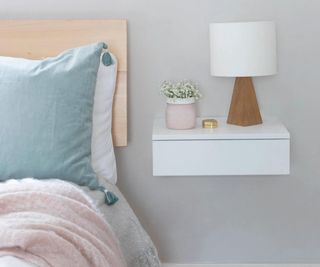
{"x": 209, "y": 123}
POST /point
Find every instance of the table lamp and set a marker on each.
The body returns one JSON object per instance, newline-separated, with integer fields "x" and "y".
{"x": 243, "y": 50}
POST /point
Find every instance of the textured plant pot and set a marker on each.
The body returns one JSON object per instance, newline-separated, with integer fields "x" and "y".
{"x": 181, "y": 113}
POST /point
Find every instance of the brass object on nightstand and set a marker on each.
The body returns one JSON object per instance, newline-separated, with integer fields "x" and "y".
{"x": 209, "y": 123}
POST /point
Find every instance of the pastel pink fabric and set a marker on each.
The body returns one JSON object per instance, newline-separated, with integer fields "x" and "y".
{"x": 54, "y": 223}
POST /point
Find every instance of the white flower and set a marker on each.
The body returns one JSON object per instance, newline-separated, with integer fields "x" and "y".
{"x": 182, "y": 89}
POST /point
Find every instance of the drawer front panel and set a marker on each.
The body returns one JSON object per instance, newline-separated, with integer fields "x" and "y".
{"x": 221, "y": 157}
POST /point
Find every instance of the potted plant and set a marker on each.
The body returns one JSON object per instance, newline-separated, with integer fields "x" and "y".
{"x": 181, "y": 97}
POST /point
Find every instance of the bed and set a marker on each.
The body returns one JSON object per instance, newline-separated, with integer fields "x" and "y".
{"x": 36, "y": 40}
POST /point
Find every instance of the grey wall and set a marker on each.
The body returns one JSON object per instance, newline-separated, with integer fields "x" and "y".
{"x": 215, "y": 219}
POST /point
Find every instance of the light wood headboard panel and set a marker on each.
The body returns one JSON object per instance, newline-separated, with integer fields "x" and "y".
{"x": 36, "y": 39}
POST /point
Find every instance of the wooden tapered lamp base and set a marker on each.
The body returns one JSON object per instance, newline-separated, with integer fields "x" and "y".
{"x": 244, "y": 108}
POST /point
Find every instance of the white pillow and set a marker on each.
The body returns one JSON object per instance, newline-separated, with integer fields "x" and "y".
{"x": 102, "y": 153}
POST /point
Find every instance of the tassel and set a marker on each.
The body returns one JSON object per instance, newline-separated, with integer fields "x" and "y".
{"x": 109, "y": 197}
{"x": 106, "y": 59}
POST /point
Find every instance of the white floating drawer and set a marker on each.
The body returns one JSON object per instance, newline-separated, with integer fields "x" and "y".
{"x": 227, "y": 150}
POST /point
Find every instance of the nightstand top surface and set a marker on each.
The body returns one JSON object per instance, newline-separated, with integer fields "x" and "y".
{"x": 271, "y": 128}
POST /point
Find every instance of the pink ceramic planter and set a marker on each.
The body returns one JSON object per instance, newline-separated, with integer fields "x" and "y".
{"x": 181, "y": 114}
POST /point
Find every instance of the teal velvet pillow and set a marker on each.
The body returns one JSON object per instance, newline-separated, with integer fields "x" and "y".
{"x": 46, "y": 116}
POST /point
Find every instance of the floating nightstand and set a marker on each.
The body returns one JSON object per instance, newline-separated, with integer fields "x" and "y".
{"x": 227, "y": 150}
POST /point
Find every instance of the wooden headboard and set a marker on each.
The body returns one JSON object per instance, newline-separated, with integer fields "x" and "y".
{"x": 36, "y": 39}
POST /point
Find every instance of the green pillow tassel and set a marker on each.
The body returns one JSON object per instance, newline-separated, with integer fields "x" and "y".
{"x": 107, "y": 59}
{"x": 109, "y": 197}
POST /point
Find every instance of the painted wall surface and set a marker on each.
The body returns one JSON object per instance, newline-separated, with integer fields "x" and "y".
{"x": 215, "y": 219}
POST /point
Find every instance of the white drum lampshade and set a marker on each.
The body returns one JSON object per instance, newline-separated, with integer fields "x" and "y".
{"x": 243, "y": 50}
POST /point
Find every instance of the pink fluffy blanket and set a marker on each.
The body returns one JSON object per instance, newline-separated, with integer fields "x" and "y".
{"x": 53, "y": 223}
